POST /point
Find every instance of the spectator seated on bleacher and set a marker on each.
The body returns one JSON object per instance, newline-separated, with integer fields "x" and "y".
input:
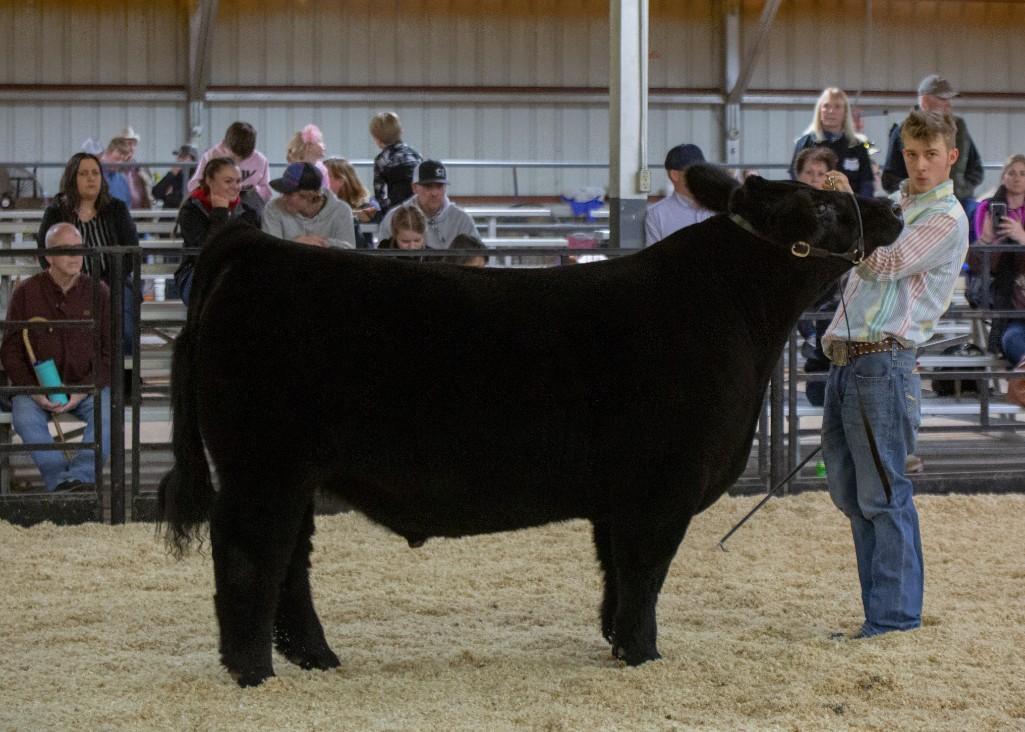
{"x": 463, "y": 241}
{"x": 239, "y": 144}
{"x": 307, "y": 146}
{"x": 139, "y": 176}
{"x": 209, "y": 207}
{"x": 409, "y": 232}
{"x": 394, "y": 165}
{"x": 678, "y": 210}
{"x": 811, "y": 167}
{"x": 116, "y": 153}
{"x": 1007, "y": 269}
{"x": 62, "y": 292}
{"x": 445, "y": 220}
{"x": 170, "y": 189}
{"x": 307, "y": 212}
{"x": 85, "y": 202}
{"x": 346, "y": 185}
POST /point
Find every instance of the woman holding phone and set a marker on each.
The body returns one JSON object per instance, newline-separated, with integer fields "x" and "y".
{"x": 1000, "y": 220}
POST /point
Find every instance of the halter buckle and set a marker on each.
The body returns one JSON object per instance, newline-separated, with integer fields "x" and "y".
{"x": 800, "y": 249}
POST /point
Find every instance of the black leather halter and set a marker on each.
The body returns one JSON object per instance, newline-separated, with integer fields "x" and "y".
{"x": 803, "y": 249}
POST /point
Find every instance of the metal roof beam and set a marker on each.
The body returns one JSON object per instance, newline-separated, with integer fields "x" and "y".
{"x": 201, "y": 33}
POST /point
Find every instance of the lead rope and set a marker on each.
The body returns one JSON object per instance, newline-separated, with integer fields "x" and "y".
{"x": 861, "y": 405}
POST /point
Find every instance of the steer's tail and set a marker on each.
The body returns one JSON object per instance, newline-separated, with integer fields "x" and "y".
{"x": 186, "y": 492}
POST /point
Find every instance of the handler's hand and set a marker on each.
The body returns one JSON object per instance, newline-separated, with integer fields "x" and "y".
{"x": 836, "y": 181}
{"x": 73, "y": 401}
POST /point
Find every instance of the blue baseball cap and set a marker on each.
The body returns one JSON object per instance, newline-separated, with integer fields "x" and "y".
{"x": 298, "y": 177}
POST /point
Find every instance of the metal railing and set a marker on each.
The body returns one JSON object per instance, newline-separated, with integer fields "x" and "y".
{"x": 510, "y": 167}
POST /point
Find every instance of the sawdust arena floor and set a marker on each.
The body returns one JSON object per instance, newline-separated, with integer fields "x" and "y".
{"x": 103, "y": 631}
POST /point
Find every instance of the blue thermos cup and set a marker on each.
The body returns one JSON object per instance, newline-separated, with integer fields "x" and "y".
{"x": 46, "y": 373}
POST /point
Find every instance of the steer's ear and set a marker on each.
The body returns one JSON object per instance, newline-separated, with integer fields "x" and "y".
{"x": 792, "y": 218}
{"x": 710, "y": 186}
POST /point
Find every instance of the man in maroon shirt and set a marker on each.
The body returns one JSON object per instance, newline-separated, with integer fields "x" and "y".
{"x": 61, "y": 292}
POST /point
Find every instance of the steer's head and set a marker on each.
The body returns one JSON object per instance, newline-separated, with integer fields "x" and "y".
{"x": 792, "y": 214}
{"x": 789, "y": 213}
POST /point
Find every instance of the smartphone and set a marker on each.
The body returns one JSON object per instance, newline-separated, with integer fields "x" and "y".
{"x": 997, "y": 211}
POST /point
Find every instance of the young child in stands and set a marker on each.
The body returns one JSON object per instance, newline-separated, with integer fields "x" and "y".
{"x": 307, "y": 146}
{"x": 462, "y": 241}
{"x": 394, "y": 165}
{"x": 409, "y": 228}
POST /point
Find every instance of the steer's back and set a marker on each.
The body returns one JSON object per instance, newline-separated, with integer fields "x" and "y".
{"x": 442, "y": 399}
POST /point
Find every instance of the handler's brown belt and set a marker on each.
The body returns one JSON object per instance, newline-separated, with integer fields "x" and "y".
{"x": 862, "y": 348}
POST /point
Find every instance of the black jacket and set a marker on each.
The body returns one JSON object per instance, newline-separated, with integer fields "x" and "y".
{"x": 197, "y": 226}
{"x": 853, "y": 159}
{"x": 116, "y": 222}
{"x": 170, "y": 189}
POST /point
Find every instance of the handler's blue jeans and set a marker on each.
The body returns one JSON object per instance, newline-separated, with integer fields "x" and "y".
{"x": 887, "y": 542}
{"x": 31, "y": 422}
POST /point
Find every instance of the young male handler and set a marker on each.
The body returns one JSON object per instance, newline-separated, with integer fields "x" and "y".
{"x": 893, "y": 300}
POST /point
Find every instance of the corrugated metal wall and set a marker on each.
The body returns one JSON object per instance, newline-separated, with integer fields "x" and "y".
{"x": 93, "y": 42}
{"x": 488, "y": 45}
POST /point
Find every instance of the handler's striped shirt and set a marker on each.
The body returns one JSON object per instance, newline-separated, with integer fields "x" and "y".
{"x": 903, "y": 289}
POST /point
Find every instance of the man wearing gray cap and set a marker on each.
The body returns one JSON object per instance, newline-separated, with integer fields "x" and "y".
{"x": 677, "y": 210}
{"x": 934, "y": 95}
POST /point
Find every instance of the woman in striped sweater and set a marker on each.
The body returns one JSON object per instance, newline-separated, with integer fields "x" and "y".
{"x": 103, "y": 220}
{"x": 85, "y": 202}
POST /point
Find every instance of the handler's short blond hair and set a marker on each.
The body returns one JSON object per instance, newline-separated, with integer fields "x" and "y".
{"x": 924, "y": 126}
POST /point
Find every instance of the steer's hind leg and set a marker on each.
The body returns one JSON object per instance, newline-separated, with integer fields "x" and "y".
{"x": 298, "y": 634}
{"x": 610, "y": 593}
{"x": 642, "y": 555}
{"x": 253, "y": 531}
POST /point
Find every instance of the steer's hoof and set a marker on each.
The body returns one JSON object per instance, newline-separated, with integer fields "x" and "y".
{"x": 250, "y": 678}
{"x": 321, "y": 660}
{"x": 636, "y": 656}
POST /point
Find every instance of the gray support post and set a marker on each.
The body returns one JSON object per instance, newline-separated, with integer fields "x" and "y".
{"x": 201, "y": 33}
{"x": 738, "y": 72}
{"x": 731, "y": 73}
{"x": 629, "y": 177}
